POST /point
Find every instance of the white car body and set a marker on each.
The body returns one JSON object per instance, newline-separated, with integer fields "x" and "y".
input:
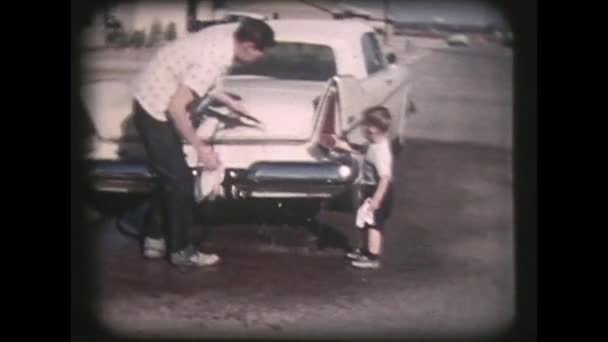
{"x": 292, "y": 124}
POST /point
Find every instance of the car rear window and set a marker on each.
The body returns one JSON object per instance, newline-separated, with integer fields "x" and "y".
{"x": 294, "y": 61}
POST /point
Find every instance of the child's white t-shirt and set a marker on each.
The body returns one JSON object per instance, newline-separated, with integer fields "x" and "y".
{"x": 378, "y": 161}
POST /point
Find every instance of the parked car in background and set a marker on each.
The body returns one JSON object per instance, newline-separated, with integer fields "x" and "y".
{"x": 222, "y": 17}
{"x": 458, "y": 40}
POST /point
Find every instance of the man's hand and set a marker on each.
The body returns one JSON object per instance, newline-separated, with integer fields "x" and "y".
{"x": 207, "y": 158}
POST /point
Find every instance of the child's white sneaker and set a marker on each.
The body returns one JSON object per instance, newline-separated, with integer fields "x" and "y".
{"x": 366, "y": 262}
{"x": 357, "y": 254}
{"x": 154, "y": 248}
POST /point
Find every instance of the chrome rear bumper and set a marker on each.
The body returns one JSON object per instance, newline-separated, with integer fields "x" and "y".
{"x": 262, "y": 180}
{"x": 121, "y": 176}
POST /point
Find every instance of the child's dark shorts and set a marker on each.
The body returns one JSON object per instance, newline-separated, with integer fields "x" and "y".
{"x": 382, "y": 213}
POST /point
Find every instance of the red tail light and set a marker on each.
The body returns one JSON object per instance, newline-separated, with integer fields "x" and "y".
{"x": 328, "y": 127}
{"x": 329, "y": 120}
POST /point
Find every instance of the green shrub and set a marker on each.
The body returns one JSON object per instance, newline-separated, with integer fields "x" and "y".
{"x": 117, "y": 39}
{"x": 171, "y": 32}
{"x": 156, "y": 33}
{"x": 138, "y": 39}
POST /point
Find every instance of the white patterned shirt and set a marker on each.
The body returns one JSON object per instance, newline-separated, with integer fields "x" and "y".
{"x": 196, "y": 61}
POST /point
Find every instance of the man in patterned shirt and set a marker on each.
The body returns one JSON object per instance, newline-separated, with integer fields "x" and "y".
{"x": 180, "y": 71}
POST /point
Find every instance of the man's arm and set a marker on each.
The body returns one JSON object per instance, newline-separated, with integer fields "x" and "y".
{"x": 179, "y": 115}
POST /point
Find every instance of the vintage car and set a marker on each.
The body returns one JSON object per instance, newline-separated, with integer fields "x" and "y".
{"x": 315, "y": 82}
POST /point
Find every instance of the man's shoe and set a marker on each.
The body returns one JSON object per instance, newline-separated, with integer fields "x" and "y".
{"x": 191, "y": 257}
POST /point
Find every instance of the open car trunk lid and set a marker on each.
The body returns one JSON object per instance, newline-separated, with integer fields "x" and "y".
{"x": 285, "y": 109}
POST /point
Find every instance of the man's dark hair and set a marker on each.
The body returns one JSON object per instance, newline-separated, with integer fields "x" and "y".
{"x": 255, "y": 31}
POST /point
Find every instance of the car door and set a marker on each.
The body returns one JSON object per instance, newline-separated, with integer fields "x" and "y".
{"x": 385, "y": 84}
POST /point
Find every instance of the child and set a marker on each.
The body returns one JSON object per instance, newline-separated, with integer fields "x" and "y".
{"x": 377, "y": 189}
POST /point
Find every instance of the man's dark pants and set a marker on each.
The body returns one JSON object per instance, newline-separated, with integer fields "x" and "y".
{"x": 173, "y": 202}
